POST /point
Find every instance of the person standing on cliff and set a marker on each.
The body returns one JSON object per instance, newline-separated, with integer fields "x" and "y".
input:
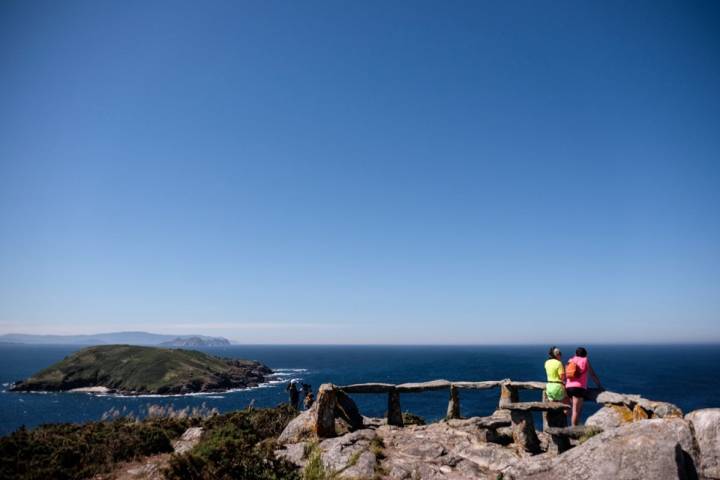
{"x": 294, "y": 394}
{"x": 309, "y": 400}
{"x": 555, "y": 389}
{"x": 306, "y": 391}
{"x": 577, "y": 372}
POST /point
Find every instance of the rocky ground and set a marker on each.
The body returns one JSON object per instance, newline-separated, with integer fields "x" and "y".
{"x": 657, "y": 443}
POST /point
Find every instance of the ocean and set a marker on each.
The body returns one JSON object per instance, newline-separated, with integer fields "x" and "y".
{"x": 687, "y": 375}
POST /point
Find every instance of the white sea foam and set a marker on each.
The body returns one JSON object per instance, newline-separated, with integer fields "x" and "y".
{"x": 194, "y": 394}
{"x": 170, "y": 395}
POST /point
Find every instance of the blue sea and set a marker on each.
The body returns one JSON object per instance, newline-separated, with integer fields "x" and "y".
{"x": 687, "y": 375}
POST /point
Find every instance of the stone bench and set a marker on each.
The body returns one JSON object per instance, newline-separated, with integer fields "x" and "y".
{"x": 493, "y": 422}
{"x": 523, "y": 425}
{"x": 534, "y": 406}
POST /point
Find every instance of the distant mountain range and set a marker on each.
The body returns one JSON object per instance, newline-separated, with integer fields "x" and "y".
{"x": 127, "y": 338}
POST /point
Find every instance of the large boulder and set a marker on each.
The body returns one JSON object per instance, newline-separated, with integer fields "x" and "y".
{"x": 642, "y": 408}
{"x": 301, "y": 428}
{"x": 659, "y": 449}
{"x": 350, "y": 456}
{"x": 609, "y": 417}
{"x": 334, "y": 412}
{"x": 706, "y": 423}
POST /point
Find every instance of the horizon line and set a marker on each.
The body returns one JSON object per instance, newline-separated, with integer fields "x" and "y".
{"x": 520, "y": 344}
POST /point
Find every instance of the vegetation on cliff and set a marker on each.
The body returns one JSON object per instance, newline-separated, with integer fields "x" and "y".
{"x": 233, "y": 445}
{"x": 237, "y": 445}
{"x": 73, "y": 451}
{"x": 135, "y": 369}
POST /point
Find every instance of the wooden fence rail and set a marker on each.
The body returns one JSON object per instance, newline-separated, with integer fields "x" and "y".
{"x": 509, "y": 393}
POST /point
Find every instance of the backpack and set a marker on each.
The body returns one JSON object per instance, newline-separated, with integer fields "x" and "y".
{"x": 572, "y": 371}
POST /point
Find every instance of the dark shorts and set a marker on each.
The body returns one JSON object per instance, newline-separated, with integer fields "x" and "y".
{"x": 576, "y": 392}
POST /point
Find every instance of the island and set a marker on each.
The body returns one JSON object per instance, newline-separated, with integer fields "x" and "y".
{"x": 196, "y": 342}
{"x": 135, "y": 370}
{"x": 115, "y": 338}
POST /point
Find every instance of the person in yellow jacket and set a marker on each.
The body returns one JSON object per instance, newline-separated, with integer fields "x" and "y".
{"x": 555, "y": 389}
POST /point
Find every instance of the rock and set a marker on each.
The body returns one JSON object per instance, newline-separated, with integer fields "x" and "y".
{"x": 374, "y": 422}
{"x": 394, "y": 416}
{"x": 706, "y": 423}
{"x": 639, "y": 413}
{"x": 660, "y": 409}
{"x": 294, "y": 453}
{"x": 642, "y": 407}
{"x": 656, "y": 449}
{"x": 609, "y": 417}
{"x": 334, "y": 413}
{"x": 435, "y": 451}
{"x": 301, "y": 428}
{"x": 440, "y": 450}
{"x": 349, "y": 456}
{"x": 453, "y": 410}
{"x": 346, "y": 409}
{"x": 523, "y": 431}
{"x": 188, "y": 440}
{"x": 617, "y": 398}
{"x": 508, "y": 394}
{"x": 325, "y": 411}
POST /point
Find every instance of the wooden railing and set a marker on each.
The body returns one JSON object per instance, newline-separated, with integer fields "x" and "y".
{"x": 509, "y": 393}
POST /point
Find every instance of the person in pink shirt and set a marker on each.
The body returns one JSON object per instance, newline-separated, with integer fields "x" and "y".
{"x": 576, "y": 387}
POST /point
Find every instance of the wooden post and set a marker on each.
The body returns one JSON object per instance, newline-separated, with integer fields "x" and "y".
{"x": 523, "y": 431}
{"x": 508, "y": 394}
{"x": 326, "y": 404}
{"x": 394, "y": 415}
{"x": 453, "y": 410}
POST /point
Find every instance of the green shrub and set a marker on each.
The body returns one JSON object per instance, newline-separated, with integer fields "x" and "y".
{"x": 412, "y": 419}
{"x": 237, "y": 445}
{"x": 314, "y": 468}
{"x": 78, "y": 451}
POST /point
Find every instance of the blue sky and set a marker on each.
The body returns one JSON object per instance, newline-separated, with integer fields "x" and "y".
{"x": 362, "y": 172}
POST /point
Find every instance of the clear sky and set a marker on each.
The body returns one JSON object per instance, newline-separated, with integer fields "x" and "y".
{"x": 362, "y": 172}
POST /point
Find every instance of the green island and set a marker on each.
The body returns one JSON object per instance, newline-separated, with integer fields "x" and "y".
{"x": 135, "y": 370}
